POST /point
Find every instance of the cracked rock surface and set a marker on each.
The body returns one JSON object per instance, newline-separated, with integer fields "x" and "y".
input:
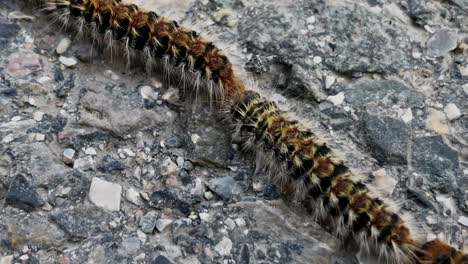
{"x": 103, "y": 163}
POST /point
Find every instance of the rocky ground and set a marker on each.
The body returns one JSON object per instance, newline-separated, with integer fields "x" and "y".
{"x": 102, "y": 163}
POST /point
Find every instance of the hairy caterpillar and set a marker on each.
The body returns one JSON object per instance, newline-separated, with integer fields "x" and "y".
{"x": 179, "y": 50}
{"x": 308, "y": 170}
{"x": 295, "y": 158}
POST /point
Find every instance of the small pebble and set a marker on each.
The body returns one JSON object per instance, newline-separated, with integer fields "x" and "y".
{"x": 133, "y": 196}
{"x": 8, "y": 138}
{"x": 452, "y": 111}
{"x": 195, "y": 138}
{"x": 317, "y": 59}
{"x": 105, "y": 194}
{"x": 63, "y": 46}
{"x": 6, "y": 259}
{"x": 437, "y": 122}
{"x": 407, "y": 116}
{"x": 180, "y": 162}
{"x": 147, "y": 92}
{"x": 224, "y": 247}
{"x": 68, "y": 61}
{"x": 84, "y": 163}
{"x": 110, "y": 74}
{"x": 162, "y": 224}
{"x": 465, "y": 88}
{"x": 148, "y": 222}
{"x": 40, "y": 137}
{"x": 463, "y": 220}
{"x": 336, "y": 99}
{"x": 38, "y": 116}
{"x": 205, "y": 217}
{"x": 90, "y": 151}
{"x": 329, "y": 81}
{"x": 208, "y": 195}
{"x": 230, "y": 223}
{"x": 168, "y": 168}
{"x": 68, "y": 155}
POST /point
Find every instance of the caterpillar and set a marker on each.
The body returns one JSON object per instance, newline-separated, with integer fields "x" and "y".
{"x": 178, "y": 50}
{"x": 307, "y": 169}
{"x": 297, "y": 161}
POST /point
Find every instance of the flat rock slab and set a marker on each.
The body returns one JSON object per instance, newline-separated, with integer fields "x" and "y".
{"x": 105, "y": 194}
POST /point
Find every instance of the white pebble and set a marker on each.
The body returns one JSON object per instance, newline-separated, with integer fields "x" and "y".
{"x": 465, "y": 88}
{"x": 407, "y": 116}
{"x": 68, "y": 61}
{"x": 336, "y": 99}
{"x": 133, "y": 196}
{"x": 148, "y": 93}
{"x": 224, "y": 247}
{"x": 6, "y": 259}
{"x": 452, "y": 111}
{"x": 68, "y": 155}
{"x": 111, "y": 74}
{"x": 205, "y": 217}
{"x": 208, "y": 195}
{"x": 63, "y": 46}
{"x": 38, "y": 116}
{"x": 231, "y": 224}
{"x": 329, "y": 81}
{"x": 105, "y": 194}
{"x": 317, "y": 59}
{"x": 40, "y": 137}
{"x": 463, "y": 220}
{"x": 84, "y": 163}
{"x": 8, "y": 138}
{"x": 195, "y": 138}
{"x": 90, "y": 151}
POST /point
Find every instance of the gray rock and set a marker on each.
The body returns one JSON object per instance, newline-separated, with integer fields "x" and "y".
{"x": 388, "y": 138}
{"x": 121, "y": 115}
{"x": 8, "y": 91}
{"x": 22, "y": 194}
{"x": 78, "y": 184}
{"x": 161, "y": 260}
{"x": 78, "y": 139}
{"x": 16, "y": 231}
{"x": 442, "y": 42}
{"x": 167, "y": 198}
{"x": 173, "y": 142}
{"x": 463, "y": 4}
{"x": 224, "y": 187}
{"x": 302, "y": 84}
{"x": 21, "y": 64}
{"x": 38, "y": 159}
{"x": 148, "y": 221}
{"x": 8, "y": 30}
{"x": 212, "y": 145}
{"x": 110, "y": 165}
{"x": 368, "y": 46}
{"x": 78, "y": 223}
{"x": 438, "y": 162}
{"x": 130, "y": 246}
{"x": 389, "y": 92}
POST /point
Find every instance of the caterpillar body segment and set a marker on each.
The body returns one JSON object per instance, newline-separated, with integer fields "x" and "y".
{"x": 179, "y": 50}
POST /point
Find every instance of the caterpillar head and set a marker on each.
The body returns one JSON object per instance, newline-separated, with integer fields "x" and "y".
{"x": 439, "y": 252}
